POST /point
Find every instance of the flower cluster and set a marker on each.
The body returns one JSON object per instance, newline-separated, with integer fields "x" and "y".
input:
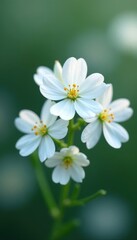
{"x": 74, "y": 93}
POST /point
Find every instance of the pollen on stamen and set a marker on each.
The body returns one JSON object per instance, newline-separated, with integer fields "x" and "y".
{"x": 106, "y": 116}
{"x": 34, "y": 127}
{"x": 40, "y": 129}
{"x": 72, "y": 91}
{"x": 103, "y": 117}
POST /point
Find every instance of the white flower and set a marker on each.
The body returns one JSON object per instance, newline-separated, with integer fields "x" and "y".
{"x": 68, "y": 164}
{"x": 43, "y": 71}
{"x": 112, "y": 112}
{"x": 75, "y": 91}
{"x": 39, "y": 131}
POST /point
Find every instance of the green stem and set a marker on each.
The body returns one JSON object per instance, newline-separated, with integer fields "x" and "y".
{"x": 45, "y": 189}
{"x": 70, "y": 133}
{"x": 79, "y": 124}
{"x": 75, "y": 192}
{"x": 99, "y": 193}
{"x": 64, "y": 193}
{"x": 58, "y": 229}
{"x": 62, "y": 230}
{"x": 80, "y": 202}
{"x": 60, "y": 143}
{"x": 65, "y": 189}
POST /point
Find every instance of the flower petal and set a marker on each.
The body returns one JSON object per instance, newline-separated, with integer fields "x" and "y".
{"x": 73, "y": 150}
{"x": 93, "y": 86}
{"x": 29, "y": 148}
{"x": 74, "y": 71}
{"x": 64, "y": 109}
{"x": 77, "y": 173}
{"x": 29, "y": 116}
{"x": 52, "y": 88}
{"x": 60, "y": 175}
{"x": 54, "y": 161}
{"x": 87, "y": 108}
{"x": 119, "y": 105}
{"x": 81, "y": 159}
{"x": 121, "y": 132}
{"x": 107, "y": 95}
{"x": 58, "y": 70}
{"x": 59, "y": 129}
{"x": 23, "y": 126}
{"x": 115, "y": 134}
{"x": 91, "y": 134}
{"x": 98, "y": 91}
{"x": 41, "y": 72}
{"x": 90, "y": 120}
{"x": 46, "y": 116}
{"x": 38, "y": 79}
{"x": 25, "y": 140}
{"x": 46, "y": 148}
{"x": 123, "y": 115}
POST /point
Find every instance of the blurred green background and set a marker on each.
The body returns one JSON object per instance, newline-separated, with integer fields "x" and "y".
{"x": 38, "y": 32}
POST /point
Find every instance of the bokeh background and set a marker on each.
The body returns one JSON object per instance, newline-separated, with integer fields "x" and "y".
{"x": 38, "y": 32}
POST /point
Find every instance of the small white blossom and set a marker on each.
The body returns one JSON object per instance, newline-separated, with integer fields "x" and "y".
{"x": 68, "y": 163}
{"x": 42, "y": 71}
{"x": 75, "y": 90}
{"x": 39, "y": 131}
{"x": 111, "y": 113}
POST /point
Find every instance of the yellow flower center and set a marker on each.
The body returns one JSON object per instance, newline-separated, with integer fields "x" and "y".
{"x": 106, "y": 116}
{"x": 72, "y": 91}
{"x": 40, "y": 129}
{"x": 67, "y": 162}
